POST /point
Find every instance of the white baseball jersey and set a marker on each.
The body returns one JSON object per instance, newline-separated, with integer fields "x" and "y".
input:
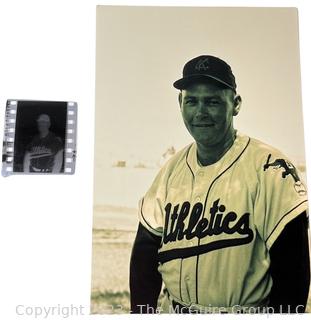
{"x": 217, "y": 222}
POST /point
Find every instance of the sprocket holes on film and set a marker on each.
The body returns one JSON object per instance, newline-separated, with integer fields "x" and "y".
{"x": 39, "y": 137}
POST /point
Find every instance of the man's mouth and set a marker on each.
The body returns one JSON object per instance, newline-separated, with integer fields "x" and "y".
{"x": 203, "y": 124}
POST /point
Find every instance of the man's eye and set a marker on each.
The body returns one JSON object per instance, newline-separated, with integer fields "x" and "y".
{"x": 213, "y": 102}
{"x": 190, "y": 102}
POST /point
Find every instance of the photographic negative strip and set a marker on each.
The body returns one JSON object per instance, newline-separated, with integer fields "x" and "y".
{"x": 39, "y": 137}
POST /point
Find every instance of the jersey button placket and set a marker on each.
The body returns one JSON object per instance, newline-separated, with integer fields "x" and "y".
{"x": 199, "y": 176}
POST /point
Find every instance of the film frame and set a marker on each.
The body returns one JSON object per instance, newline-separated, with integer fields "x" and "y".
{"x": 10, "y": 138}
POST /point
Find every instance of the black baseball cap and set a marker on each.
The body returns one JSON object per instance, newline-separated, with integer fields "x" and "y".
{"x": 206, "y": 67}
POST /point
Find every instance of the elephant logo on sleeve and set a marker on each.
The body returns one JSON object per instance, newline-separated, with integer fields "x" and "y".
{"x": 288, "y": 170}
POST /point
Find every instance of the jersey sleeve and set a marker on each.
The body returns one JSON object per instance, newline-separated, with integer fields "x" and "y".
{"x": 281, "y": 196}
{"x": 150, "y": 210}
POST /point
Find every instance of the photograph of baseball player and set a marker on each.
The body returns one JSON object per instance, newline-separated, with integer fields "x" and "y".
{"x": 40, "y": 137}
{"x": 200, "y": 199}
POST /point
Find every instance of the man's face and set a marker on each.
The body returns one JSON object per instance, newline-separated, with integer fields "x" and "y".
{"x": 43, "y": 126}
{"x": 208, "y": 112}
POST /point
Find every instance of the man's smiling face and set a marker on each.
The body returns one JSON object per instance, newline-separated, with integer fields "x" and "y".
{"x": 208, "y": 111}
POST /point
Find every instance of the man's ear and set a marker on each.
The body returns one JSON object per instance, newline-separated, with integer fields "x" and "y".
{"x": 180, "y": 98}
{"x": 237, "y": 104}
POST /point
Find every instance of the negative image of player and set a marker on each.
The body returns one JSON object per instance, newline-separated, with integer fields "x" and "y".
{"x": 45, "y": 151}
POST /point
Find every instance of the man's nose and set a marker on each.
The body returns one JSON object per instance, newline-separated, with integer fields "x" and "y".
{"x": 202, "y": 108}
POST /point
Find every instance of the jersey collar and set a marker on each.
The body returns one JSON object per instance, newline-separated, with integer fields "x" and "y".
{"x": 240, "y": 143}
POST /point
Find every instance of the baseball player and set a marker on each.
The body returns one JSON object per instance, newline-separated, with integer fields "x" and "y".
{"x": 224, "y": 224}
{"x": 45, "y": 151}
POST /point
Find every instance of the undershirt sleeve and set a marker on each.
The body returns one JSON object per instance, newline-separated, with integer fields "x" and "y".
{"x": 290, "y": 267}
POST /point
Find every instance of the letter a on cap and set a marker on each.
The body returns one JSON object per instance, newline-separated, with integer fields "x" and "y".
{"x": 202, "y": 64}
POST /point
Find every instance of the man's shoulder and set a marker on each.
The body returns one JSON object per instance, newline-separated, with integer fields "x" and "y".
{"x": 262, "y": 153}
{"x": 173, "y": 165}
{"x": 52, "y": 135}
{"x": 169, "y": 169}
{"x": 54, "y": 138}
{"x": 261, "y": 148}
{"x": 178, "y": 158}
